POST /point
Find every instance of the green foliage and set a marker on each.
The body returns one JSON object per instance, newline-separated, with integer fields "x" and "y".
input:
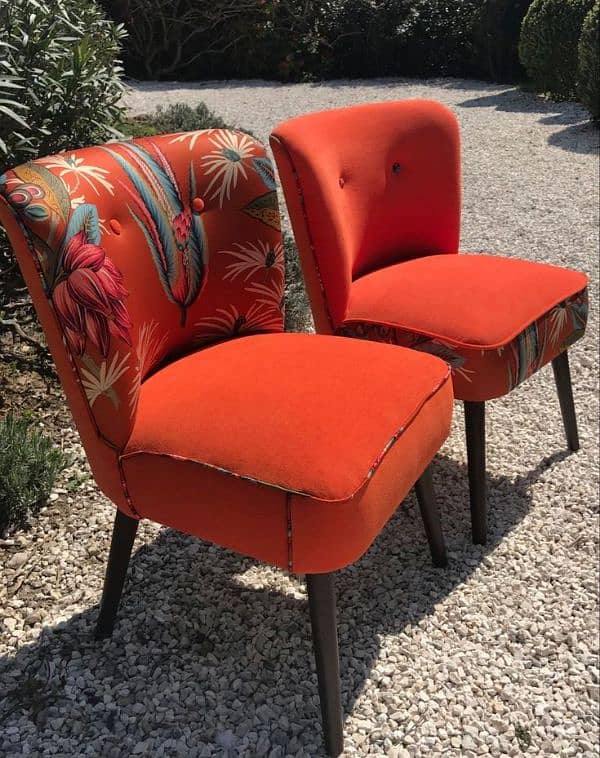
{"x": 497, "y": 38}
{"x": 297, "y": 309}
{"x": 60, "y": 78}
{"x": 548, "y": 45}
{"x": 29, "y": 465}
{"x": 297, "y": 39}
{"x": 588, "y": 71}
{"x": 178, "y": 117}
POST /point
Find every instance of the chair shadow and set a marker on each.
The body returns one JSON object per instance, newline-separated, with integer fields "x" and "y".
{"x": 66, "y": 672}
{"x": 580, "y": 134}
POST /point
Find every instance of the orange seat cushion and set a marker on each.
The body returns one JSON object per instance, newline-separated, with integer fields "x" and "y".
{"x": 236, "y": 443}
{"x": 495, "y": 320}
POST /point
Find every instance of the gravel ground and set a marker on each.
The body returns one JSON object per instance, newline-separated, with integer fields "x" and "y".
{"x": 497, "y": 654}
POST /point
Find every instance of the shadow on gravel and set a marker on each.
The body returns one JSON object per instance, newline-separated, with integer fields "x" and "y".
{"x": 579, "y": 136}
{"x": 172, "y": 635}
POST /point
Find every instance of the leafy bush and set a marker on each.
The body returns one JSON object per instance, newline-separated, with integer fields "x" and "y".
{"x": 588, "y": 70}
{"x": 548, "y": 45}
{"x": 178, "y": 117}
{"x": 60, "y": 77}
{"x": 29, "y": 465}
{"x": 437, "y": 38}
{"x": 497, "y": 38}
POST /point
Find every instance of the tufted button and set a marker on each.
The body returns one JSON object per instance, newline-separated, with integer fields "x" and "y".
{"x": 396, "y": 168}
{"x": 197, "y": 205}
{"x": 342, "y": 181}
{"x": 115, "y": 226}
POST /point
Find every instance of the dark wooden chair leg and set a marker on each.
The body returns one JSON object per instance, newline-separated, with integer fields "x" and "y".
{"x": 562, "y": 377}
{"x": 431, "y": 518}
{"x": 475, "y": 430}
{"x": 321, "y": 603}
{"x": 123, "y": 535}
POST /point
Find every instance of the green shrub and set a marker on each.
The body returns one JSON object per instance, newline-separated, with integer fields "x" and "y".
{"x": 548, "y": 45}
{"x": 497, "y": 38}
{"x": 29, "y": 465}
{"x": 178, "y": 117}
{"x": 588, "y": 71}
{"x": 60, "y": 77}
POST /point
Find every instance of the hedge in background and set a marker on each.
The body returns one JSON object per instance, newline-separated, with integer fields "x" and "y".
{"x": 588, "y": 73}
{"x": 497, "y": 32}
{"x": 548, "y": 44}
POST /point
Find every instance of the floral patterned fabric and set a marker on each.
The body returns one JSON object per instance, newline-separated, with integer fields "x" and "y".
{"x": 148, "y": 249}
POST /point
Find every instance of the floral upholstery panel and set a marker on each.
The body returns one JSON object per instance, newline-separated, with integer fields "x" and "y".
{"x": 149, "y": 249}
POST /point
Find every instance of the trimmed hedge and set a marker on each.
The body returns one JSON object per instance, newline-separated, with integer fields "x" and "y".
{"x": 548, "y": 45}
{"x": 588, "y": 71}
{"x": 497, "y": 34}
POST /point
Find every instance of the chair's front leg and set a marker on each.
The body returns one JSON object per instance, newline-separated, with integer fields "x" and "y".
{"x": 123, "y": 535}
{"x": 562, "y": 377}
{"x": 321, "y": 603}
{"x": 475, "y": 430}
{"x": 431, "y": 518}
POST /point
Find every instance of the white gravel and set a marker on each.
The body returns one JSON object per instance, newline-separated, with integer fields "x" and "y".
{"x": 212, "y": 653}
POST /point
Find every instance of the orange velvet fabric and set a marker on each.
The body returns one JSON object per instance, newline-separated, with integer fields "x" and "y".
{"x": 373, "y": 193}
{"x": 286, "y": 435}
{"x": 366, "y": 187}
{"x": 495, "y": 320}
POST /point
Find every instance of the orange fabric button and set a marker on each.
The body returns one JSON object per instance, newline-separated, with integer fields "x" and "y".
{"x": 115, "y": 226}
{"x": 198, "y": 204}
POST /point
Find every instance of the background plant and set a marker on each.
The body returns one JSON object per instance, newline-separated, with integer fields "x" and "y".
{"x": 548, "y": 45}
{"x": 588, "y": 69}
{"x": 29, "y": 465}
{"x": 496, "y": 37}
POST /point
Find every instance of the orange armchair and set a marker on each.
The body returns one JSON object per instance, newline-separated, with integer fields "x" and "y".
{"x": 373, "y": 193}
{"x": 157, "y": 271}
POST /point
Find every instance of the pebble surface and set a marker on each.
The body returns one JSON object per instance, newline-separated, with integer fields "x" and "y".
{"x": 495, "y": 655}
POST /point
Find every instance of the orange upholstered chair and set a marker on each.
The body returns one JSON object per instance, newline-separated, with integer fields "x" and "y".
{"x": 157, "y": 271}
{"x": 374, "y": 196}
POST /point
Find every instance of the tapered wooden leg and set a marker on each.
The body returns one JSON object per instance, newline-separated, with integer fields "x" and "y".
{"x": 321, "y": 603}
{"x": 475, "y": 429}
{"x": 431, "y": 518}
{"x": 123, "y": 535}
{"x": 562, "y": 377}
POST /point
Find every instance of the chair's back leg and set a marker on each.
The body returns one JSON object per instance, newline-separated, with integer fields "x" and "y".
{"x": 475, "y": 430}
{"x": 562, "y": 377}
{"x": 431, "y": 518}
{"x": 321, "y": 602}
{"x": 123, "y": 535}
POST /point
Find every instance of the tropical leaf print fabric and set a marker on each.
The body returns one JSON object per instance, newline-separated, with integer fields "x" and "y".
{"x": 148, "y": 249}
{"x": 488, "y": 373}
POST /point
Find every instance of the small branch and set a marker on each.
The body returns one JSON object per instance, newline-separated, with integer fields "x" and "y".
{"x": 13, "y": 326}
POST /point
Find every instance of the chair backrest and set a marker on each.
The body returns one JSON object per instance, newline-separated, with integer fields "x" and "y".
{"x": 137, "y": 252}
{"x": 366, "y": 187}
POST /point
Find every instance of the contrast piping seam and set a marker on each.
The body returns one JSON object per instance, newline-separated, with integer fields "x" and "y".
{"x": 311, "y": 243}
{"x": 370, "y": 470}
{"x": 288, "y": 512}
{"x": 91, "y": 417}
{"x": 457, "y": 343}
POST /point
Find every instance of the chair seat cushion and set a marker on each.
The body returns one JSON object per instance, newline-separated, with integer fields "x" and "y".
{"x": 495, "y": 320}
{"x": 232, "y": 441}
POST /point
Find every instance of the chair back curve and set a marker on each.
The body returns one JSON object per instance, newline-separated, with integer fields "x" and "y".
{"x": 368, "y": 186}
{"x": 137, "y": 252}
